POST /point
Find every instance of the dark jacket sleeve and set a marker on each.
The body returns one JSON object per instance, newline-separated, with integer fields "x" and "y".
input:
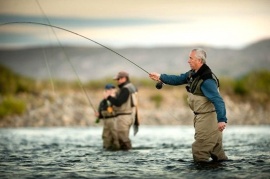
{"x": 121, "y": 98}
{"x": 101, "y": 105}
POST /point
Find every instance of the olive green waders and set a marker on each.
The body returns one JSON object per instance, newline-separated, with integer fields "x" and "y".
{"x": 123, "y": 124}
{"x": 208, "y": 139}
{"x": 109, "y": 134}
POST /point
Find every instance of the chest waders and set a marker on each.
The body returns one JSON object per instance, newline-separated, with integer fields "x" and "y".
{"x": 208, "y": 139}
{"x": 124, "y": 121}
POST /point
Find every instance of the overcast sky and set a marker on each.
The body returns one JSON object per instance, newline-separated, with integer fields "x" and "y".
{"x": 121, "y": 23}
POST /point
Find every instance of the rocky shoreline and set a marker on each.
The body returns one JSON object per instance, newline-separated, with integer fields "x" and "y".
{"x": 72, "y": 108}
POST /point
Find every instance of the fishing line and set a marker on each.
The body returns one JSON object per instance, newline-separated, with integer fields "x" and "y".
{"x": 49, "y": 71}
{"x": 67, "y": 58}
{"x": 45, "y": 56}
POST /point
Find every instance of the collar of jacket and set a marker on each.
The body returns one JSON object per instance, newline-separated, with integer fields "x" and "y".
{"x": 123, "y": 84}
{"x": 204, "y": 68}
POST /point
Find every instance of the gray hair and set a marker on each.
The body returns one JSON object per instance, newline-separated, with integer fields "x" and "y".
{"x": 200, "y": 54}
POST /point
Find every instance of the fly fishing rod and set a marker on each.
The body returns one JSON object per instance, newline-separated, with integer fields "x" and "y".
{"x": 158, "y": 85}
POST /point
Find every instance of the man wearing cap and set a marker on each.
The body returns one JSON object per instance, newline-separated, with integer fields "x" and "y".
{"x": 123, "y": 108}
{"x": 107, "y": 113}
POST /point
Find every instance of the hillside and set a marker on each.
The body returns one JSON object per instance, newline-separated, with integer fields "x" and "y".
{"x": 37, "y": 104}
{"x": 93, "y": 63}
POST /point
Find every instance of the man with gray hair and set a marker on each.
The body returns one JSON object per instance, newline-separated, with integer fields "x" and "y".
{"x": 205, "y": 102}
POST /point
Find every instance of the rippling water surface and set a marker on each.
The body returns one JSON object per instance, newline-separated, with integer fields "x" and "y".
{"x": 158, "y": 152}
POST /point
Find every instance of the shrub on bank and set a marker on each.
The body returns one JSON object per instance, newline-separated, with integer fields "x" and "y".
{"x": 157, "y": 99}
{"x": 12, "y": 83}
{"x": 11, "y": 106}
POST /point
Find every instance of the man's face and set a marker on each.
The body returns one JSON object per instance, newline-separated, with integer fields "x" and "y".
{"x": 194, "y": 62}
{"x": 111, "y": 90}
{"x": 121, "y": 80}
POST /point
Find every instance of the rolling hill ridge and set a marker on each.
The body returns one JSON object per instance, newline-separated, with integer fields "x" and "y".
{"x": 93, "y": 63}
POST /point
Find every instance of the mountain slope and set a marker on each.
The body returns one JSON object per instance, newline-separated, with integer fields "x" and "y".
{"x": 93, "y": 63}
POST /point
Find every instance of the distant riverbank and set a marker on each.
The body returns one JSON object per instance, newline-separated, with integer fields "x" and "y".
{"x": 157, "y": 107}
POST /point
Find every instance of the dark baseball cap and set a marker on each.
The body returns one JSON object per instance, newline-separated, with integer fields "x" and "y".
{"x": 121, "y": 74}
{"x": 109, "y": 86}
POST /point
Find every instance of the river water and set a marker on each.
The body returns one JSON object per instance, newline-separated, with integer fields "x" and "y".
{"x": 158, "y": 152}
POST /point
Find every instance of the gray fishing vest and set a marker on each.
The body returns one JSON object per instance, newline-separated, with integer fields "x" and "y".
{"x": 126, "y": 108}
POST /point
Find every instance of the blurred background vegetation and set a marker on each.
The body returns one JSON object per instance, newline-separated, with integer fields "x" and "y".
{"x": 253, "y": 87}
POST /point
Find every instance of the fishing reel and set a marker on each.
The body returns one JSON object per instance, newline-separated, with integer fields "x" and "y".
{"x": 159, "y": 85}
